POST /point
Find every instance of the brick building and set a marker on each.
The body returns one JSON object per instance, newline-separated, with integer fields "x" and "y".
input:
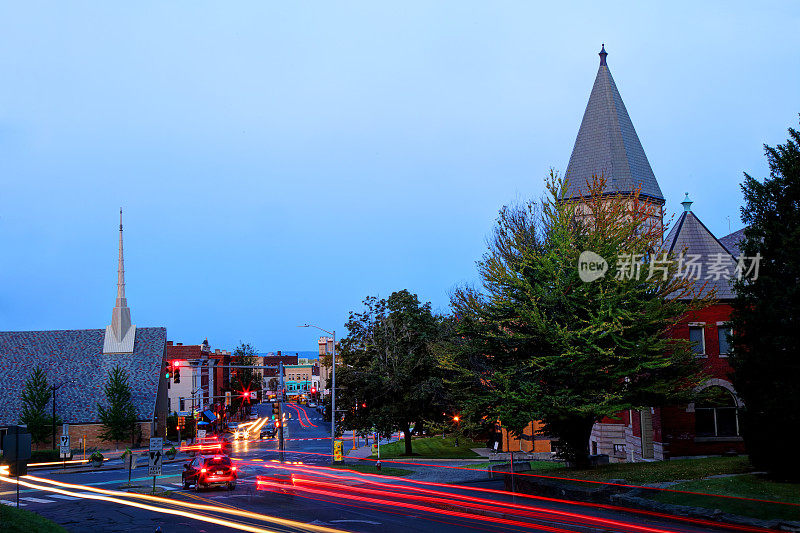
{"x": 204, "y": 377}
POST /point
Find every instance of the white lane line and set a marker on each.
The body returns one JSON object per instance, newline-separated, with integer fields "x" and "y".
{"x": 36, "y": 500}
{"x": 355, "y": 522}
{"x": 13, "y": 504}
{"x": 62, "y": 497}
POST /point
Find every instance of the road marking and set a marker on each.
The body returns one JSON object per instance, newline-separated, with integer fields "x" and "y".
{"x": 355, "y": 522}
{"x": 13, "y": 504}
{"x": 36, "y": 500}
{"x": 62, "y": 497}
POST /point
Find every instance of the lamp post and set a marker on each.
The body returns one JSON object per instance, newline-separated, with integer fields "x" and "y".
{"x": 53, "y": 389}
{"x": 333, "y": 383}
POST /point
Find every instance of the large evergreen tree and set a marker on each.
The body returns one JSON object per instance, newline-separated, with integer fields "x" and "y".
{"x": 538, "y": 343}
{"x": 766, "y": 318}
{"x": 118, "y": 416}
{"x": 35, "y": 399}
{"x": 389, "y": 378}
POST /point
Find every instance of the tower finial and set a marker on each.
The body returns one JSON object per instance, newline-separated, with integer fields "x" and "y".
{"x": 603, "y": 54}
{"x": 121, "y": 269}
{"x": 687, "y": 204}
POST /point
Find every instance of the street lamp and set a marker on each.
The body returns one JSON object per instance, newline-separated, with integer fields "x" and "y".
{"x": 53, "y": 389}
{"x": 333, "y": 384}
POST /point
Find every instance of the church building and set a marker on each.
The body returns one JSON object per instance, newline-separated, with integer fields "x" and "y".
{"x": 77, "y": 364}
{"x": 607, "y": 145}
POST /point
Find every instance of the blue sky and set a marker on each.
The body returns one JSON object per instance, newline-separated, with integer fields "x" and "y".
{"x": 278, "y": 162}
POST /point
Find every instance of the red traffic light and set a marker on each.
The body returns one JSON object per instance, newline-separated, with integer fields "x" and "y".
{"x": 313, "y": 390}
{"x": 364, "y": 405}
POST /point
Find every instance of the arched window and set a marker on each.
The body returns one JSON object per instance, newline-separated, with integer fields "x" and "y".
{"x": 716, "y": 414}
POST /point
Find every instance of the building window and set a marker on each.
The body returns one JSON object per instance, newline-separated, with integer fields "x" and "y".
{"x": 183, "y": 404}
{"x": 619, "y": 449}
{"x": 716, "y": 414}
{"x": 724, "y": 332}
{"x": 697, "y": 340}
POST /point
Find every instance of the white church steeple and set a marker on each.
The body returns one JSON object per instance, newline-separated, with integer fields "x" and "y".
{"x": 120, "y": 334}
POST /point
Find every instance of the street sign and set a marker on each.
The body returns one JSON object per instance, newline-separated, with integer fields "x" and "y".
{"x": 130, "y": 461}
{"x": 201, "y": 433}
{"x": 65, "y": 429}
{"x": 253, "y": 395}
{"x": 65, "y": 447}
{"x": 154, "y": 463}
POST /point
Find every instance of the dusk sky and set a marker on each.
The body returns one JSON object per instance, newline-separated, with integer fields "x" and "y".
{"x": 277, "y": 162}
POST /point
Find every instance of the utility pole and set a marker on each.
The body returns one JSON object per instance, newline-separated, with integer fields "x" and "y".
{"x": 280, "y": 410}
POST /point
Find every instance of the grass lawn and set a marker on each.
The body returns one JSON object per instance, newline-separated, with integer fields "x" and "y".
{"x": 369, "y": 468}
{"x": 695, "y": 471}
{"x": 432, "y": 447}
{"x": 748, "y": 486}
{"x": 13, "y": 520}
{"x": 658, "y": 471}
{"x": 535, "y": 465}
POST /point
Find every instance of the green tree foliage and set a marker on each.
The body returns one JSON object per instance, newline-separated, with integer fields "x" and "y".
{"x": 535, "y": 342}
{"x": 118, "y": 416}
{"x": 244, "y": 379}
{"x": 389, "y": 378}
{"x": 766, "y": 317}
{"x": 35, "y": 399}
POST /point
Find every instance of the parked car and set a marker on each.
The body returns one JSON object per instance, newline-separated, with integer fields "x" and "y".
{"x": 312, "y": 405}
{"x": 269, "y": 430}
{"x": 205, "y": 471}
{"x": 253, "y": 417}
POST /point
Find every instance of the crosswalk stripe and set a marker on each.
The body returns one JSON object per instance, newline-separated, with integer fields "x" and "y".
{"x": 62, "y": 497}
{"x": 9, "y": 502}
{"x": 36, "y": 500}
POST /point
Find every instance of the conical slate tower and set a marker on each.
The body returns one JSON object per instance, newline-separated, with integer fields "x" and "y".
{"x": 607, "y": 145}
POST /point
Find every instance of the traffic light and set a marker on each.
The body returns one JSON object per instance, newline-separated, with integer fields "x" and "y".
{"x": 176, "y": 373}
{"x": 168, "y": 372}
{"x": 276, "y": 408}
{"x": 364, "y": 405}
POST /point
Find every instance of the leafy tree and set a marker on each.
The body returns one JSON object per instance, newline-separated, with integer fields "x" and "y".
{"x": 35, "y": 399}
{"x": 537, "y": 343}
{"x": 245, "y": 379}
{"x": 766, "y": 317}
{"x": 389, "y": 378}
{"x": 118, "y": 416}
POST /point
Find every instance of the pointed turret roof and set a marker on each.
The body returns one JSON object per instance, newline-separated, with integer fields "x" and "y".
{"x": 607, "y": 145}
{"x": 690, "y": 236}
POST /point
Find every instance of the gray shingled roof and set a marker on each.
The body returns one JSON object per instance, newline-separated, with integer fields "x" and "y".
{"x": 607, "y": 145}
{"x": 732, "y": 242}
{"x": 691, "y": 235}
{"x": 78, "y": 354}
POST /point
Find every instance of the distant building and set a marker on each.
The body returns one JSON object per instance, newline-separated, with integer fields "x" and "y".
{"x": 204, "y": 377}
{"x": 80, "y": 361}
{"x": 301, "y": 379}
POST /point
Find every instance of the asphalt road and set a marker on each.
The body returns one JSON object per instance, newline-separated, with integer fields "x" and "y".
{"x": 352, "y": 503}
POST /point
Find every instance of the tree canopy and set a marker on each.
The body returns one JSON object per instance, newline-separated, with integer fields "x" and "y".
{"x": 35, "y": 398}
{"x": 536, "y": 342}
{"x": 118, "y": 416}
{"x": 766, "y": 317}
{"x": 389, "y": 378}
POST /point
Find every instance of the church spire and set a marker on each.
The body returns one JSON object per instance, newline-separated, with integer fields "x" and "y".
{"x": 607, "y": 145}
{"x": 120, "y": 334}
{"x": 121, "y": 301}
